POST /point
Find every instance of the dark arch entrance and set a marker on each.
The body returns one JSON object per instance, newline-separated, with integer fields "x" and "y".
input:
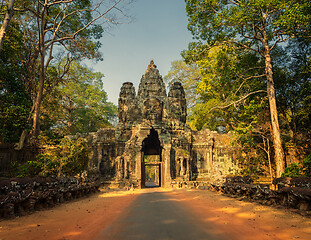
{"x": 151, "y": 162}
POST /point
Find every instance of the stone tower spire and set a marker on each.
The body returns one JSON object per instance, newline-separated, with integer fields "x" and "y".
{"x": 152, "y": 65}
{"x": 151, "y": 83}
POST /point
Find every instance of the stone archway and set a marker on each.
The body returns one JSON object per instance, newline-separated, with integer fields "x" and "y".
{"x": 151, "y": 161}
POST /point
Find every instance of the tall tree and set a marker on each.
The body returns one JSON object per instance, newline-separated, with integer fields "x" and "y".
{"x": 69, "y": 25}
{"x": 258, "y": 26}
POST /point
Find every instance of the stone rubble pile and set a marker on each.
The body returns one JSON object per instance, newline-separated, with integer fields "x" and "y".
{"x": 290, "y": 192}
{"x": 19, "y": 196}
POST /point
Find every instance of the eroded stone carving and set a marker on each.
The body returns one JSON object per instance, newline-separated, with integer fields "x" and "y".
{"x": 177, "y": 101}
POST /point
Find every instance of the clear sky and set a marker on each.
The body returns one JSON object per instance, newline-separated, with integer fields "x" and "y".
{"x": 158, "y": 32}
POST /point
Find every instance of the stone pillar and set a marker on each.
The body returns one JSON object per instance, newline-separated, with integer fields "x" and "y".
{"x": 126, "y": 168}
{"x": 156, "y": 174}
{"x": 99, "y": 154}
{"x": 211, "y": 158}
{"x": 178, "y": 167}
{"x": 181, "y": 167}
{"x": 139, "y": 158}
{"x": 93, "y": 158}
{"x": 187, "y": 173}
{"x": 166, "y": 158}
{"x": 117, "y": 164}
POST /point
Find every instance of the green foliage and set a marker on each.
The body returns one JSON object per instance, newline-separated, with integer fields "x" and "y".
{"x": 232, "y": 98}
{"x": 28, "y": 169}
{"x": 294, "y": 170}
{"x": 251, "y": 166}
{"x": 236, "y": 42}
{"x": 228, "y": 75}
{"x": 302, "y": 169}
{"x": 189, "y": 75}
{"x": 70, "y": 32}
{"x": 294, "y": 86}
{"x": 68, "y": 158}
{"x": 214, "y": 21}
{"x": 253, "y": 138}
{"x": 231, "y": 52}
{"x": 14, "y": 98}
{"x": 78, "y": 104}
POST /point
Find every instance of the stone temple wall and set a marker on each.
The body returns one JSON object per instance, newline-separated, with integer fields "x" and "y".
{"x": 104, "y": 151}
{"x": 153, "y": 122}
{"x": 212, "y": 155}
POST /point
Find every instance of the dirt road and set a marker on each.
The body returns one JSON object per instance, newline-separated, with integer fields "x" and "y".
{"x": 158, "y": 214}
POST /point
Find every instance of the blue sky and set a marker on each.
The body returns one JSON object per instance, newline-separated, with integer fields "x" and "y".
{"x": 158, "y": 32}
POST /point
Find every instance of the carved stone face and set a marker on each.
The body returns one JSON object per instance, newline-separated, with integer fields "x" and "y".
{"x": 153, "y": 109}
{"x": 177, "y": 102}
{"x": 126, "y": 100}
{"x": 153, "y": 89}
{"x": 127, "y": 90}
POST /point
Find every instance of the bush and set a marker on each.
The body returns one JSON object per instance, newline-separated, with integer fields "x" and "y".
{"x": 251, "y": 166}
{"x": 302, "y": 169}
{"x": 27, "y": 169}
{"x": 69, "y": 158}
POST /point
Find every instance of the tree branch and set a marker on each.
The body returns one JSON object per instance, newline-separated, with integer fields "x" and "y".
{"x": 235, "y": 102}
{"x": 72, "y": 36}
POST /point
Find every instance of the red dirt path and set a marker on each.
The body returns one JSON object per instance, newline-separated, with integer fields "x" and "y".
{"x": 84, "y": 219}
{"x": 244, "y": 220}
{"x": 81, "y": 219}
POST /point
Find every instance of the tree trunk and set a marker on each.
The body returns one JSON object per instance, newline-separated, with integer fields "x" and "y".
{"x": 269, "y": 160}
{"x": 6, "y": 22}
{"x": 276, "y": 135}
{"x": 38, "y": 100}
{"x": 20, "y": 144}
{"x": 37, "y": 103}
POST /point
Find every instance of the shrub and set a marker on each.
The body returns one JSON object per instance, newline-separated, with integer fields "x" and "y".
{"x": 27, "y": 169}
{"x": 302, "y": 169}
{"x": 69, "y": 158}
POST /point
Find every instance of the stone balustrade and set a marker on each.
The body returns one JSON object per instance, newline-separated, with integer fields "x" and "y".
{"x": 289, "y": 192}
{"x": 19, "y": 196}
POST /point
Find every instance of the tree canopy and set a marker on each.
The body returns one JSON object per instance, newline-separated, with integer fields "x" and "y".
{"x": 42, "y": 46}
{"x": 78, "y": 104}
{"x": 46, "y": 92}
{"x": 14, "y": 97}
{"x": 253, "y": 28}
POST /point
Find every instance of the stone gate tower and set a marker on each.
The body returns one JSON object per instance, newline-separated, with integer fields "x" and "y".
{"x": 152, "y": 134}
{"x": 152, "y": 123}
